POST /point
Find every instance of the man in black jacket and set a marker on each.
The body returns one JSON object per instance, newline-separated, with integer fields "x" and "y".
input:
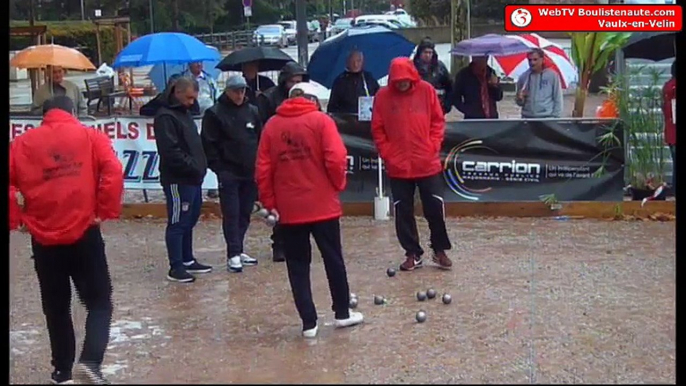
{"x": 476, "y": 90}
{"x": 351, "y": 84}
{"x": 182, "y": 170}
{"x": 267, "y": 102}
{"x": 434, "y": 71}
{"x": 257, "y": 84}
{"x": 150, "y": 109}
{"x": 230, "y": 133}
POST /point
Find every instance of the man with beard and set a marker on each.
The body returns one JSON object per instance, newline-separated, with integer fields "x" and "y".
{"x": 230, "y": 133}
{"x": 350, "y": 85}
{"x": 267, "y": 102}
{"x": 434, "y": 71}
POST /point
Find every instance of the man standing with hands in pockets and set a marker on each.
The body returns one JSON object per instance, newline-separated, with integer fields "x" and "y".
{"x": 539, "y": 91}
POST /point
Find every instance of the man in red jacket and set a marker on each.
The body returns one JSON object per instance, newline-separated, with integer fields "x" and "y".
{"x": 408, "y": 127}
{"x": 64, "y": 180}
{"x": 300, "y": 171}
{"x": 669, "y": 115}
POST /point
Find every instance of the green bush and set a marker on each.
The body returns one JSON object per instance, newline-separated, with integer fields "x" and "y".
{"x": 76, "y": 34}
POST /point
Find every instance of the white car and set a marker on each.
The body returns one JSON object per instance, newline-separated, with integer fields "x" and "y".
{"x": 291, "y": 30}
{"x": 392, "y": 19}
{"x": 404, "y": 17}
{"x": 270, "y": 35}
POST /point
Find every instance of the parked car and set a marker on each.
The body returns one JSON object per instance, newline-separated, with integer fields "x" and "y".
{"x": 291, "y": 30}
{"x": 270, "y": 35}
{"x": 341, "y": 25}
{"x": 380, "y": 23}
{"x": 391, "y": 19}
{"x": 404, "y": 17}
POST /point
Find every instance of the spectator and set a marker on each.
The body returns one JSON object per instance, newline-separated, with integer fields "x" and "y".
{"x": 301, "y": 168}
{"x": 150, "y": 109}
{"x": 182, "y": 170}
{"x": 539, "y": 91}
{"x": 434, "y": 71}
{"x": 58, "y": 86}
{"x": 207, "y": 86}
{"x": 64, "y": 180}
{"x": 408, "y": 127}
{"x": 669, "y": 115}
{"x": 476, "y": 90}
{"x": 353, "y": 83}
{"x": 230, "y": 132}
{"x": 267, "y": 102}
{"x": 257, "y": 83}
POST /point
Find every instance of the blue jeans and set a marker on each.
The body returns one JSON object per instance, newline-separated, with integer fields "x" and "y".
{"x": 672, "y": 149}
{"x": 236, "y": 199}
{"x": 183, "y": 211}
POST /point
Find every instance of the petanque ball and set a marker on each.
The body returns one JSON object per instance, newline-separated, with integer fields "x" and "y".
{"x": 447, "y": 299}
{"x": 431, "y": 293}
{"x": 378, "y": 300}
{"x": 421, "y": 296}
{"x": 271, "y": 220}
{"x": 421, "y": 317}
{"x": 353, "y": 303}
{"x": 263, "y": 212}
{"x": 390, "y": 272}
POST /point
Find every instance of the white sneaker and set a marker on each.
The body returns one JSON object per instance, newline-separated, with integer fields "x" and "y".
{"x": 311, "y": 333}
{"x": 247, "y": 260}
{"x": 234, "y": 264}
{"x": 353, "y": 319}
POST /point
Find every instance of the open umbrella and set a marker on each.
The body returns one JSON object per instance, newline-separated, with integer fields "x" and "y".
{"x": 654, "y": 46}
{"x": 164, "y": 47}
{"x": 268, "y": 59}
{"x": 490, "y": 45}
{"x": 379, "y": 45}
{"x": 555, "y": 58}
{"x": 160, "y": 73}
{"x": 51, "y": 55}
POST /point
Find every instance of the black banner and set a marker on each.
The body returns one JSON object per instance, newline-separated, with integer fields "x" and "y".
{"x": 506, "y": 160}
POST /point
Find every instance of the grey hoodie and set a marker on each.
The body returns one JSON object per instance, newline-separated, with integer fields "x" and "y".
{"x": 544, "y": 94}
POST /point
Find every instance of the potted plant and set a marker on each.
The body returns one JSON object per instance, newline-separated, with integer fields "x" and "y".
{"x": 640, "y": 110}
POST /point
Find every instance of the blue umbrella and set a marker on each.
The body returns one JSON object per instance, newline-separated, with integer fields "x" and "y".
{"x": 160, "y": 73}
{"x": 164, "y": 47}
{"x": 490, "y": 45}
{"x": 379, "y": 45}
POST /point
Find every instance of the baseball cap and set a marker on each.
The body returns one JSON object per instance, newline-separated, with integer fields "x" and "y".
{"x": 236, "y": 82}
{"x": 304, "y": 88}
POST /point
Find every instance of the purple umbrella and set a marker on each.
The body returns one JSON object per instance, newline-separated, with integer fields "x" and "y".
{"x": 490, "y": 45}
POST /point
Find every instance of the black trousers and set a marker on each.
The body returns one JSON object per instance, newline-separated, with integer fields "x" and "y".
{"x": 85, "y": 263}
{"x": 236, "y": 199}
{"x": 298, "y": 252}
{"x": 277, "y": 238}
{"x": 431, "y": 194}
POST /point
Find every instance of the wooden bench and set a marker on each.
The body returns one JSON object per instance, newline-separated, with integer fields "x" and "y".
{"x": 101, "y": 90}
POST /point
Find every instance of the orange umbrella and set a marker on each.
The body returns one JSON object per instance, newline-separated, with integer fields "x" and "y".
{"x": 51, "y": 55}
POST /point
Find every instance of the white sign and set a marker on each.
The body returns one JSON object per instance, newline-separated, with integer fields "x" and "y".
{"x": 364, "y": 108}
{"x": 674, "y": 111}
{"x": 247, "y": 11}
{"x": 133, "y": 140}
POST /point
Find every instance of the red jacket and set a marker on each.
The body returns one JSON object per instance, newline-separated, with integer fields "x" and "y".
{"x": 68, "y": 175}
{"x": 408, "y": 127}
{"x": 301, "y": 164}
{"x": 668, "y": 94}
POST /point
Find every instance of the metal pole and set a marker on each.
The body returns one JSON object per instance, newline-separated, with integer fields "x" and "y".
{"x": 302, "y": 34}
{"x": 83, "y": 10}
{"x": 152, "y": 18}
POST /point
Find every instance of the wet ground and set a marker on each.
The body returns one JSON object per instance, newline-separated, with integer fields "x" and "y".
{"x": 534, "y": 301}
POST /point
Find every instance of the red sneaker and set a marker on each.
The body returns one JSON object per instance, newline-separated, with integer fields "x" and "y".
{"x": 440, "y": 258}
{"x": 411, "y": 263}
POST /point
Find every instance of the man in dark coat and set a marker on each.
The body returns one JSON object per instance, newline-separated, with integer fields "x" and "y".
{"x": 267, "y": 102}
{"x": 434, "y": 71}
{"x": 150, "y": 109}
{"x": 351, "y": 84}
{"x": 257, "y": 84}
{"x": 476, "y": 90}
{"x": 230, "y": 133}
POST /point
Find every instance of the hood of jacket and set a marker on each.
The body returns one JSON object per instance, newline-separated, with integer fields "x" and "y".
{"x": 424, "y": 44}
{"x": 403, "y": 69}
{"x": 169, "y": 101}
{"x": 290, "y": 70}
{"x": 57, "y": 117}
{"x": 295, "y": 107}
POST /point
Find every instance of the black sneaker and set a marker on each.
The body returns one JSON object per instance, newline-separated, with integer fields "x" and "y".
{"x": 61, "y": 378}
{"x": 180, "y": 276}
{"x": 278, "y": 256}
{"x": 90, "y": 374}
{"x": 196, "y": 267}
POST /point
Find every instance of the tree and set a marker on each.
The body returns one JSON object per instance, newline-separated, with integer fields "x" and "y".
{"x": 591, "y": 52}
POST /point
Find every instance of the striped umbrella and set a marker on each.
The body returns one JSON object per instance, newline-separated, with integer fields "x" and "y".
{"x": 555, "y": 58}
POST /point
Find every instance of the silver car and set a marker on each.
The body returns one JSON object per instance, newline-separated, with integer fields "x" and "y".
{"x": 270, "y": 35}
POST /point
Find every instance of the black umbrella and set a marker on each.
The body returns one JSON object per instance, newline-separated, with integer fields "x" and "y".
{"x": 268, "y": 58}
{"x": 654, "y": 46}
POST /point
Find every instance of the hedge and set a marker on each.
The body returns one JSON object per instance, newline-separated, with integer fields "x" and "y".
{"x": 76, "y": 34}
